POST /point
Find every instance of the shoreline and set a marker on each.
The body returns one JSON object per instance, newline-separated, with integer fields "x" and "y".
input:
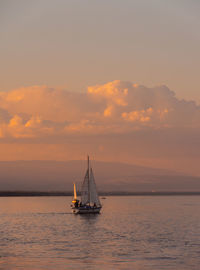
{"x": 111, "y": 193}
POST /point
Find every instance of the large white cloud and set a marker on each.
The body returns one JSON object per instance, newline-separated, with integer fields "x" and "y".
{"x": 138, "y": 106}
{"x": 114, "y": 107}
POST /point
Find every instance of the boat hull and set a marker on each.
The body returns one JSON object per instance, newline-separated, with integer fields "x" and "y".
{"x": 85, "y": 210}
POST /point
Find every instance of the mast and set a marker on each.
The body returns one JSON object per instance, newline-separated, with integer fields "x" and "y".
{"x": 89, "y": 179}
{"x": 88, "y": 158}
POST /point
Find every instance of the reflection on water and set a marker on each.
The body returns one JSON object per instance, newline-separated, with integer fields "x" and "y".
{"x": 131, "y": 233}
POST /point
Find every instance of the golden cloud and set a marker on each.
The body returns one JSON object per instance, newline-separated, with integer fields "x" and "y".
{"x": 141, "y": 116}
{"x": 114, "y": 107}
{"x": 113, "y": 92}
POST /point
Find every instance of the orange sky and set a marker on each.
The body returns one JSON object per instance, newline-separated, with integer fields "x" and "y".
{"x": 116, "y": 121}
{"x": 74, "y": 44}
{"x": 116, "y": 79}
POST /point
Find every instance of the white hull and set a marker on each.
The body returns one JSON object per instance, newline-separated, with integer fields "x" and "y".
{"x": 84, "y": 210}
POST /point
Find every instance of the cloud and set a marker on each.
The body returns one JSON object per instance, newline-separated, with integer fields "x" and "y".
{"x": 48, "y": 103}
{"x": 136, "y": 106}
{"x": 141, "y": 116}
{"x": 115, "y": 107}
{"x": 4, "y": 116}
{"x": 114, "y": 92}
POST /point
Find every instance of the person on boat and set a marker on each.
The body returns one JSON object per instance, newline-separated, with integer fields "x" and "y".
{"x": 76, "y": 203}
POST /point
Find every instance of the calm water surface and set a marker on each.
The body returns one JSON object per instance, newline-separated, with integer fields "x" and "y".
{"x": 131, "y": 233}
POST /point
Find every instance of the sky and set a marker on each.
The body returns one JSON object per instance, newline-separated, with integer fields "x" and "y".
{"x": 79, "y": 43}
{"x": 117, "y": 79}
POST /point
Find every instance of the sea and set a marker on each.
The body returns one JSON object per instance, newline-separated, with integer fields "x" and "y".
{"x": 132, "y": 232}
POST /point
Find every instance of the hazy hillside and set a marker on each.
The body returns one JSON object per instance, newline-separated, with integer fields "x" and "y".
{"x": 59, "y": 176}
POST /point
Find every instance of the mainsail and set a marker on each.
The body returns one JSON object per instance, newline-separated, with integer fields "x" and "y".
{"x": 85, "y": 190}
{"x": 89, "y": 192}
{"x": 94, "y": 198}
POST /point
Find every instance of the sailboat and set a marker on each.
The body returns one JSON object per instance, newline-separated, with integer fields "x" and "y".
{"x": 89, "y": 203}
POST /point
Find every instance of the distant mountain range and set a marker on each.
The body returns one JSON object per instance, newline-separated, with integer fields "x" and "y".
{"x": 110, "y": 176}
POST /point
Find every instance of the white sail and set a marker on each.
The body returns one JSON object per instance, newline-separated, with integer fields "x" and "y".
{"x": 85, "y": 189}
{"x": 94, "y": 198}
